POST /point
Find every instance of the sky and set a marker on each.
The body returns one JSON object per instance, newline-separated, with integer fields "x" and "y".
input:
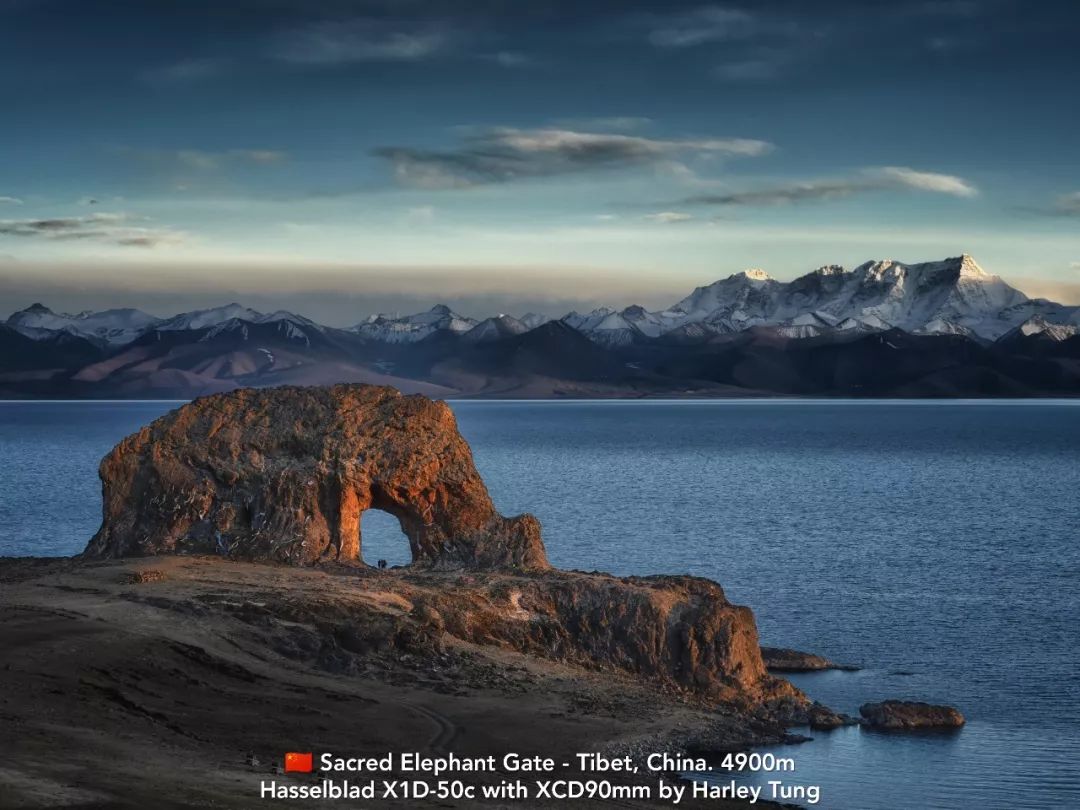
{"x": 342, "y": 157}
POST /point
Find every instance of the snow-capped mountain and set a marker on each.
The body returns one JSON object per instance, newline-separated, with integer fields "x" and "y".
{"x": 534, "y": 319}
{"x": 113, "y": 326}
{"x": 885, "y": 328}
{"x": 953, "y": 296}
{"x": 949, "y": 297}
{"x": 611, "y": 328}
{"x": 602, "y": 325}
{"x": 737, "y": 301}
{"x": 650, "y": 324}
{"x": 288, "y": 327}
{"x": 497, "y": 328}
{"x": 292, "y": 318}
{"x": 413, "y": 328}
{"x": 204, "y": 318}
{"x": 1038, "y": 325}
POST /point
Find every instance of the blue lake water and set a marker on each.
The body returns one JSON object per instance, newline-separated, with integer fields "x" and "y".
{"x": 934, "y": 543}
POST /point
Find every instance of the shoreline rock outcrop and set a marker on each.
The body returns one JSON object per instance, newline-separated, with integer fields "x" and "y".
{"x": 677, "y": 629}
{"x": 285, "y": 475}
{"x": 907, "y": 715}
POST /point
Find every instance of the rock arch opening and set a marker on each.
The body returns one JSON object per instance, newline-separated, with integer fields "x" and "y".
{"x": 382, "y": 537}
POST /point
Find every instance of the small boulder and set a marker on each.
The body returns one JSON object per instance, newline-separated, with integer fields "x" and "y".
{"x": 906, "y": 715}
{"x": 822, "y": 718}
{"x": 780, "y": 659}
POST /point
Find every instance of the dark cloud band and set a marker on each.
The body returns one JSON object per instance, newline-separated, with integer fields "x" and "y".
{"x": 504, "y": 155}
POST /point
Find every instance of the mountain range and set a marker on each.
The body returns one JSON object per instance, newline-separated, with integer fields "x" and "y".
{"x": 885, "y": 328}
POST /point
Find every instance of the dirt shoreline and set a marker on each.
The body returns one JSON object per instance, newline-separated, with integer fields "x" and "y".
{"x": 125, "y": 690}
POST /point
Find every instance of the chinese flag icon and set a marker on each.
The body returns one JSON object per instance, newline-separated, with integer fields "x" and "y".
{"x": 297, "y": 763}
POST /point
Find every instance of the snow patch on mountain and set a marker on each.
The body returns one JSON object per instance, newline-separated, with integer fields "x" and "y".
{"x": 1038, "y": 325}
{"x": 413, "y": 328}
{"x": 205, "y": 318}
{"x": 112, "y": 326}
{"x": 235, "y": 326}
{"x": 606, "y": 326}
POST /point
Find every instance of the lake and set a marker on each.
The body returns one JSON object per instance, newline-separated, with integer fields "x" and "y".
{"x": 932, "y": 543}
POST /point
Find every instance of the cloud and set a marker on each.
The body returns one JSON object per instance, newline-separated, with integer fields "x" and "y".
{"x": 362, "y": 40}
{"x": 506, "y": 154}
{"x": 668, "y": 217}
{"x": 944, "y": 8}
{"x": 927, "y": 181}
{"x": 186, "y": 71}
{"x": 1074, "y": 265}
{"x": 420, "y": 215}
{"x": 150, "y": 237}
{"x": 10, "y": 201}
{"x": 942, "y": 44}
{"x": 117, "y": 229}
{"x": 205, "y": 161}
{"x": 782, "y": 195}
{"x": 747, "y": 70}
{"x": 1064, "y": 205}
{"x": 757, "y": 42}
{"x": 609, "y": 123}
{"x": 749, "y": 46}
{"x": 1068, "y": 204}
{"x": 876, "y": 179}
{"x": 264, "y": 156}
{"x": 511, "y": 59}
{"x": 697, "y": 27}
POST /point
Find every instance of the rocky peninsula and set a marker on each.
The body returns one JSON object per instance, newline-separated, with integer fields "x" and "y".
{"x": 285, "y": 475}
{"x": 224, "y": 614}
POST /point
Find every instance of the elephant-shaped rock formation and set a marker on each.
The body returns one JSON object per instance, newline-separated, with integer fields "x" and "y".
{"x": 285, "y": 475}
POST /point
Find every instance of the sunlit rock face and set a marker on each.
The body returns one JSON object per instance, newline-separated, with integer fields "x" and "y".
{"x": 285, "y": 474}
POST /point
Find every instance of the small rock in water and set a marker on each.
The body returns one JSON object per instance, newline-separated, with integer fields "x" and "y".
{"x": 822, "y": 718}
{"x": 780, "y": 659}
{"x": 906, "y": 715}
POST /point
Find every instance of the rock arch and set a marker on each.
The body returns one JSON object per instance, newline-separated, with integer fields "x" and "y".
{"x": 382, "y": 539}
{"x": 285, "y": 474}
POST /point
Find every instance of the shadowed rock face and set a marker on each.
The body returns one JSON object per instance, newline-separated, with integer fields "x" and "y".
{"x": 285, "y": 474}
